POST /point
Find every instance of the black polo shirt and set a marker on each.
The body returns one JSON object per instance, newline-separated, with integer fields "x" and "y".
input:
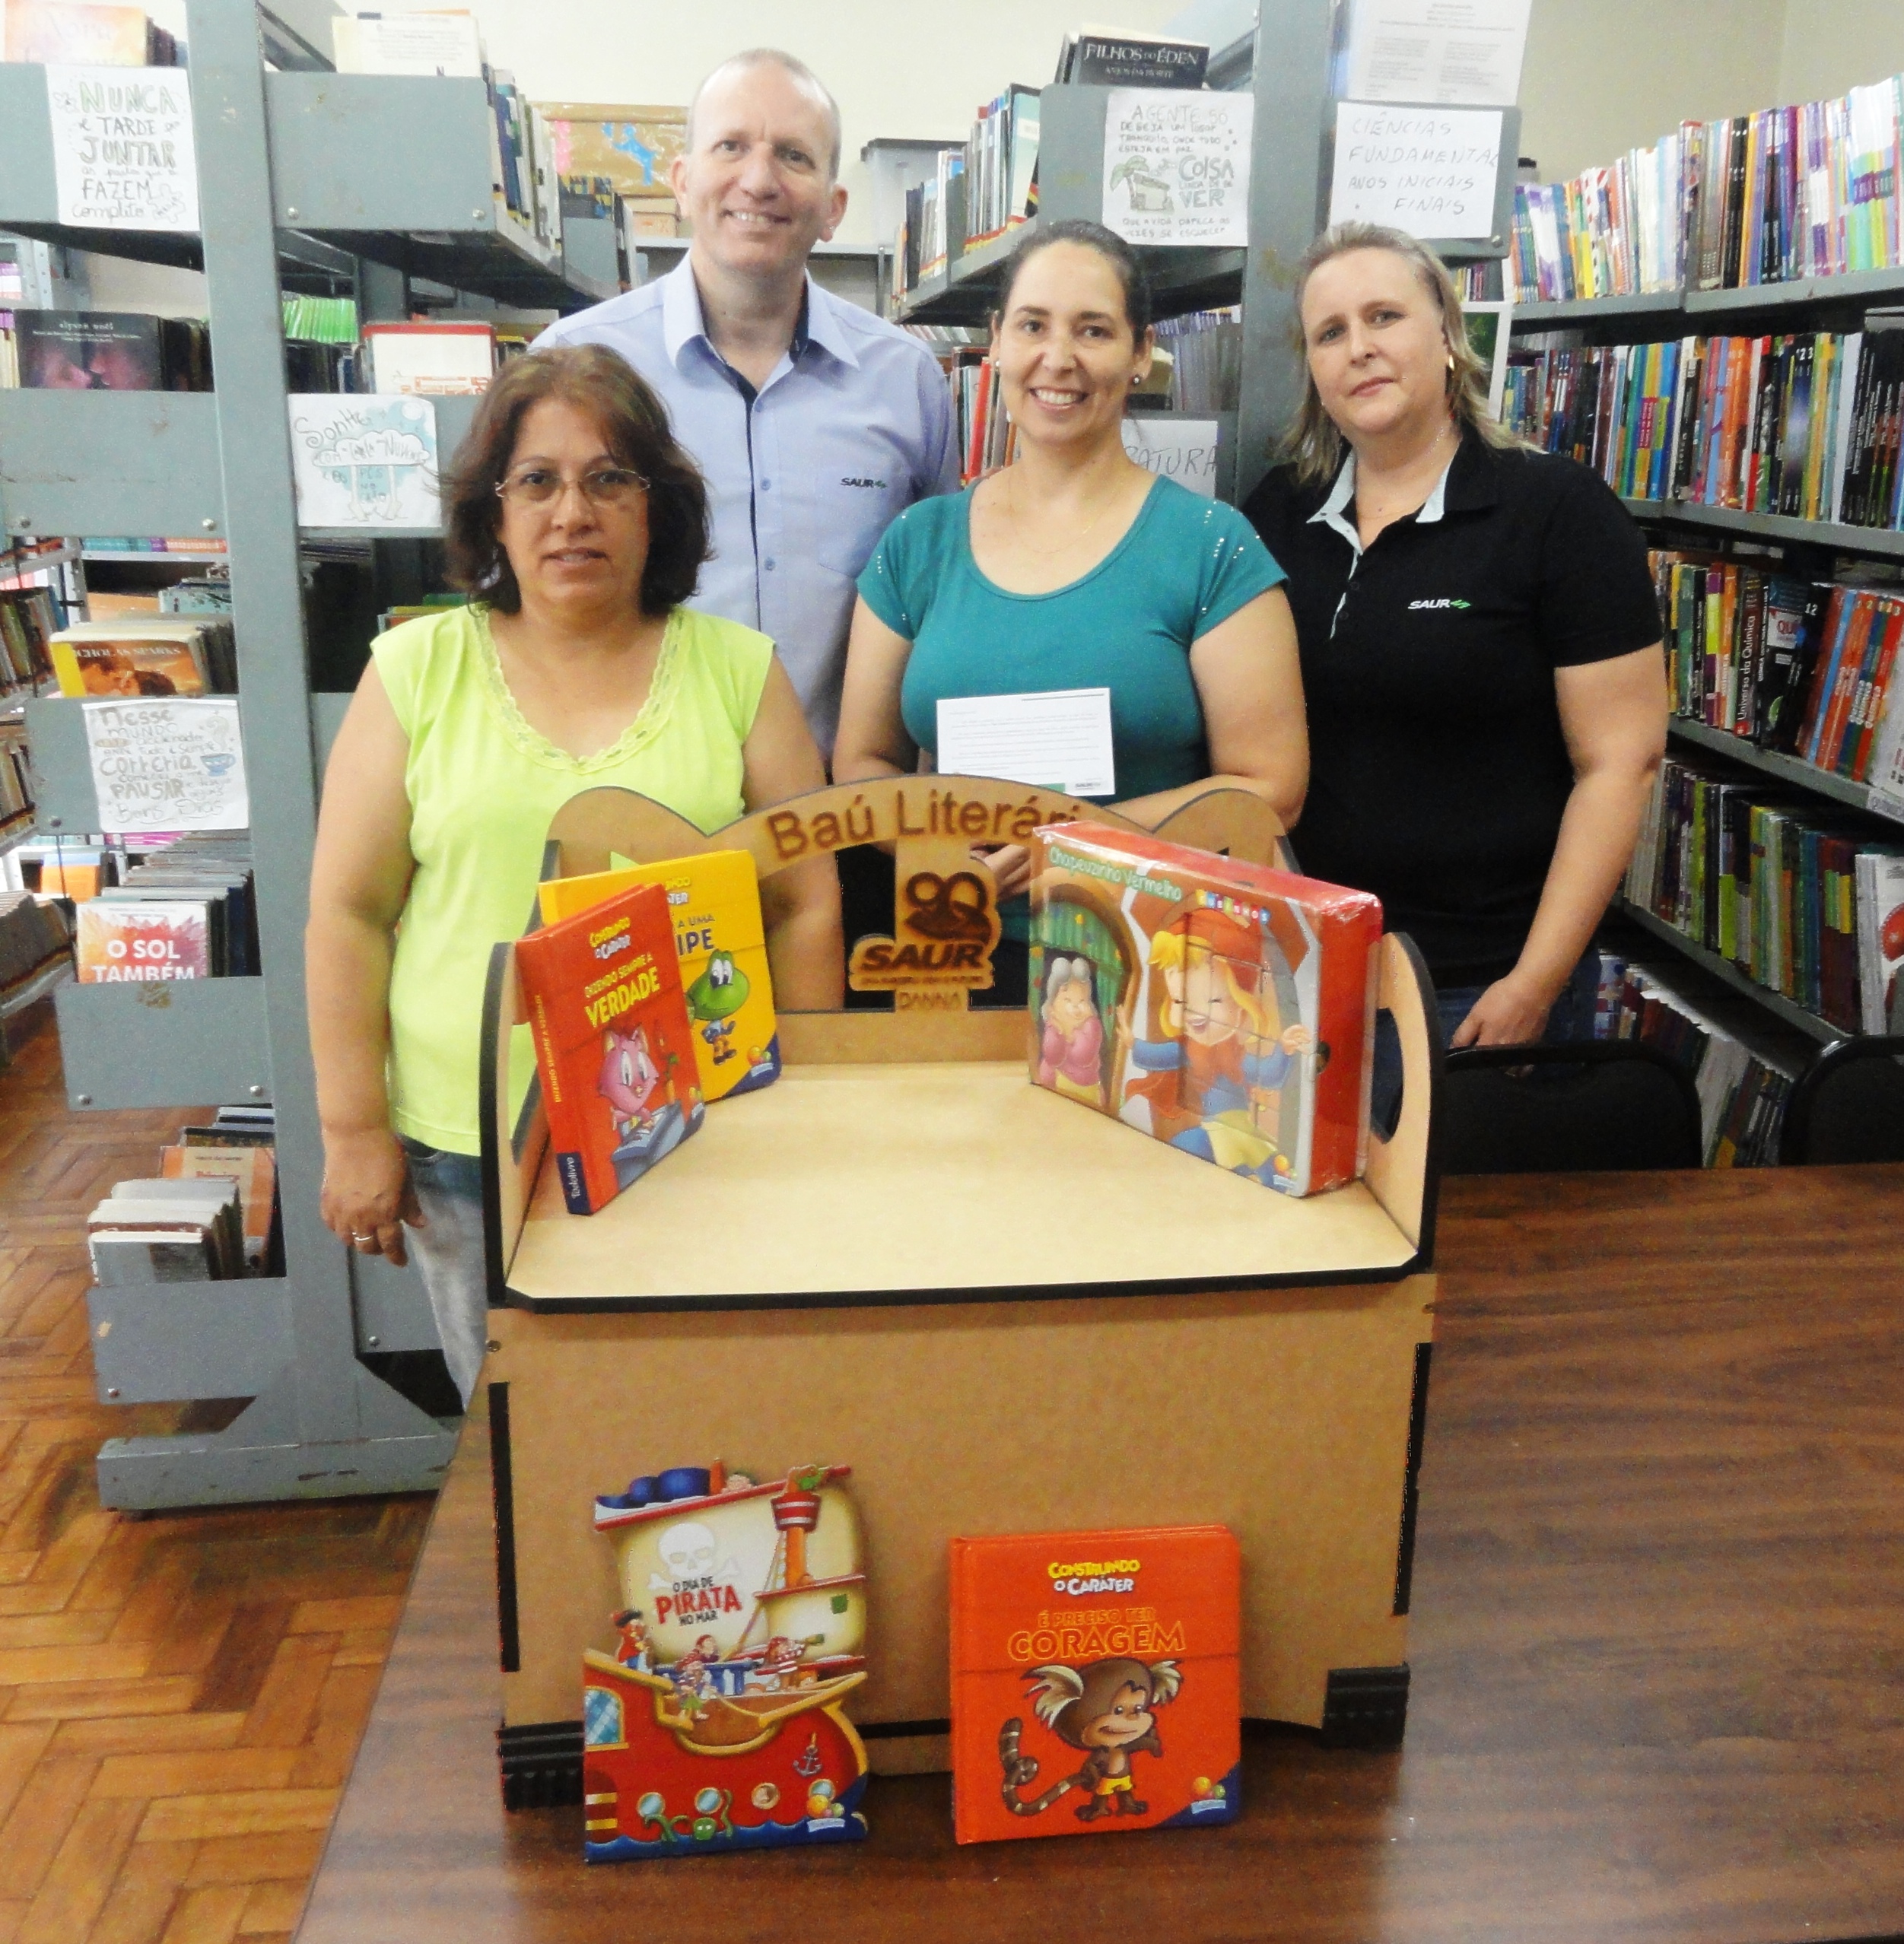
{"x": 1437, "y": 770}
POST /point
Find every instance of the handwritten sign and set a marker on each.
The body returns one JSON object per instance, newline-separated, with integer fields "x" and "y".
{"x": 1177, "y": 166}
{"x": 1458, "y": 52}
{"x": 1183, "y": 449}
{"x": 167, "y": 763}
{"x": 1429, "y": 172}
{"x": 364, "y": 461}
{"x": 123, "y": 155}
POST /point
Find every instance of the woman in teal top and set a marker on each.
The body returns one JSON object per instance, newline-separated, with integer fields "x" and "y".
{"x": 1076, "y": 568}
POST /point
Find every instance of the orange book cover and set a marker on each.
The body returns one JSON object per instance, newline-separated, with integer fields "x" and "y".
{"x": 255, "y": 1169}
{"x": 613, "y": 1050}
{"x": 1096, "y": 1683}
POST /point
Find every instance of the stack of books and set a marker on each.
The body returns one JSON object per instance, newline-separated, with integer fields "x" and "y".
{"x": 1804, "y": 424}
{"x": 165, "y": 655}
{"x": 1811, "y": 190}
{"x": 1763, "y": 880}
{"x": 1001, "y": 166}
{"x": 1742, "y": 1090}
{"x": 166, "y": 1230}
{"x": 30, "y": 617}
{"x": 34, "y": 934}
{"x": 187, "y": 911}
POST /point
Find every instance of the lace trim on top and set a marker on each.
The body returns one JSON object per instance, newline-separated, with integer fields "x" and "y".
{"x": 648, "y": 724}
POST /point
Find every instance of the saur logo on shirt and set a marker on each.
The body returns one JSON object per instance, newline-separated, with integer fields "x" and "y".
{"x": 1444, "y": 603}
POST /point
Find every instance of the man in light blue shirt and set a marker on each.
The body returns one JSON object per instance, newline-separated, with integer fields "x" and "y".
{"x": 814, "y": 422}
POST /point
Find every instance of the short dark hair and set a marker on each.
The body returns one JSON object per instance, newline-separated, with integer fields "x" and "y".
{"x": 635, "y": 428}
{"x": 1123, "y": 259}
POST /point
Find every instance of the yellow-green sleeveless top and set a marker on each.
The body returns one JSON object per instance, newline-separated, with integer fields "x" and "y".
{"x": 483, "y": 785}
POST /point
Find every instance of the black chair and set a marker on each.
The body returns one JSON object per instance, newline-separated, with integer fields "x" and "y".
{"x": 1594, "y": 1106}
{"x": 1848, "y": 1105}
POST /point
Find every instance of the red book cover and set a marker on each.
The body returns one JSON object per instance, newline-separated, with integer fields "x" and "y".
{"x": 613, "y": 1050}
{"x": 1096, "y": 1681}
{"x": 1223, "y": 1008}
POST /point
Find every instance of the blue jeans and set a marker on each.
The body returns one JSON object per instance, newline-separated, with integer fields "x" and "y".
{"x": 1572, "y": 1019}
{"x": 449, "y": 1252}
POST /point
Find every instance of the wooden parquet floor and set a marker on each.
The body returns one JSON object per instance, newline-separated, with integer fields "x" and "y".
{"x": 181, "y": 1694}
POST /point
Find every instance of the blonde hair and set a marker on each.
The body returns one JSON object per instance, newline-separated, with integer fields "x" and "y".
{"x": 1314, "y": 443}
{"x": 1170, "y": 952}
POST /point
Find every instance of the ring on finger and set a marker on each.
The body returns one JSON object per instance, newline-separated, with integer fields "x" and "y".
{"x": 358, "y": 1236}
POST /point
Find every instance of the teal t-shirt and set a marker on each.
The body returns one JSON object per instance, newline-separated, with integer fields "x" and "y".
{"x": 1186, "y": 564}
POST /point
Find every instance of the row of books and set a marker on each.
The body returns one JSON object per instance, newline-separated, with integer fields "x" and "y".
{"x": 1810, "y": 425}
{"x": 105, "y": 350}
{"x": 30, "y": 617}
{"x": 1804, "y": 668}
{"x": 1742, "y": 1093}
{"x": 1809, "y": 190}
{"x": 1001, "y": 165}
{"x": 987, "y": 436}
{"x": 158, "y": 654}
{"x": 1767, "y": 882}
{"x": 1205, "y": 349}
{"x": 209, "y": 1215}
{"x": 16, "y": 779}
{"x": 924, "y": 242}
{"x": 80, "y": 35}
{"x": 35, "y": 933}
{"x": 125, "y": 543}
{"x": 186, "y": 912}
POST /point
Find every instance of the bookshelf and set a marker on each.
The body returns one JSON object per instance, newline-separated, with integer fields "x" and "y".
{"x": 383, "y": 178}
{"x": 1792, "y": 1014}
{"x": 1774, "y": 763}
{"x": 1873, "y": 540}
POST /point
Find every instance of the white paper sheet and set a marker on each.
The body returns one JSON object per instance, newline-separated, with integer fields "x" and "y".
{"x": 123, "y": 155}
{"x": 1059, "y": 738}
{"x": 364, "y": 461}
{"x": 1183, "y": 449}
{"x": 168, "y": 763}
{"x": 1177, "y": 166}
{"x": 1429, "y": 172}
{"x": 1459, "y": 52}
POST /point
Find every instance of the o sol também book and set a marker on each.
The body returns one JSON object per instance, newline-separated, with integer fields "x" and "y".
{"x": 614, "y": 1051}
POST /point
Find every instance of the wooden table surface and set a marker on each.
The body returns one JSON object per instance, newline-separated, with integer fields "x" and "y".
{"x": 1658, "y": 1644}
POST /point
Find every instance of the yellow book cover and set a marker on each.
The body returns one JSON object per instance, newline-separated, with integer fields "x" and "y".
{"x": 714, "y": 901}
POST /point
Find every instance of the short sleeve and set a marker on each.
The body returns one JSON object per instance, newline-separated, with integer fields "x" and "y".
{"x": 1594, "y": 597}
{"x": 1233, "y": 567}
{"x": 738, "y": 660}
{"x": 896, "y": 583}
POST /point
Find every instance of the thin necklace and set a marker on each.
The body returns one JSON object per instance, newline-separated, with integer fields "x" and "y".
{"x": 1051, "y": 553}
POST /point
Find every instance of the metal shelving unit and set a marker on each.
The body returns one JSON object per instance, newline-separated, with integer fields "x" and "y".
{"x": 1772, "y": 526}
{"x": 294, "y": 165}
{"x": 1772, "y": 763}
{"x": 1856, "y": 287}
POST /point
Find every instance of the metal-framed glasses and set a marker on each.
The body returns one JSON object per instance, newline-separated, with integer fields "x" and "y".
{"x": 543, "y": 486}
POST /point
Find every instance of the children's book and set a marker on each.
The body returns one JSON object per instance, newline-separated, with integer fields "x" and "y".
{"x": 613, "y": 1051}
{"x": 717, "y": 1723}
{"x": 1095, "y": 1681}
{"x": 1226, "y": 1009}
{"x": 120, "y": 943}
{"x": 714, "y": 902}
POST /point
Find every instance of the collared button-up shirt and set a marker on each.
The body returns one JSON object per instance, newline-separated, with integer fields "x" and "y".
{"x": 854, "y": 424}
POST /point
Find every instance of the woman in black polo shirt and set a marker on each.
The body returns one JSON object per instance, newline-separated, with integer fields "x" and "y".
{"x": 1480, "y": 650}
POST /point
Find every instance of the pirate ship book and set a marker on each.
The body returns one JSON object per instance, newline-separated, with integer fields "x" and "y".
{"x": 715, "y": 1723}
{"x": 714, "y": 901}
{"x": 1096, "y": 1685}
{"x": 1225, "y": 1008}
{"x": 613, "y": 1052}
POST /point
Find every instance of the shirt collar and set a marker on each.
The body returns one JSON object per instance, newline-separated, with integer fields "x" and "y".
{"x": 1474, "y": 487}
{"x": 682, "y": 321}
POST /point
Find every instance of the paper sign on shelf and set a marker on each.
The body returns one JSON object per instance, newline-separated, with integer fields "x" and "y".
{"x": 1057, "y": 739}
{"x": 1177, "y": 166}
{"x": 123, "y": 155}
{"x": 1428, "y": 172}
{"x": 1457, "y": 53}
{"x": 1183, "y": 449}
{"x": 364, "y": 461}
{"x": 168, "y": 763}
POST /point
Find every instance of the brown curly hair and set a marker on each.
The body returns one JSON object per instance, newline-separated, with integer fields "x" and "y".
{"x": 635, "y": 429}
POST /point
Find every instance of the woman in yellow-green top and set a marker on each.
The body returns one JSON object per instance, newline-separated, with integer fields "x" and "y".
{"x": 580, "y": 526}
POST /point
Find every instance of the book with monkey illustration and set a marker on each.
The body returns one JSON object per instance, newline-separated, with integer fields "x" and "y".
{"x": 613, "y": 1048}
{"x": 1225, "y": 1008}
{"x": 1096, "y": 1685}
{"x": 714, "y": 902}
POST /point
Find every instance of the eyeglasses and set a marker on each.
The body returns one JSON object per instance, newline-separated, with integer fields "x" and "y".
{"x": 539, "y": 486}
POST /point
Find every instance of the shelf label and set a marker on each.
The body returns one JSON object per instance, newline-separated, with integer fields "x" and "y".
{"x": 123, "y": 155}
{"x": 168, "y": 763}
{"x": 364, "y": 461}
{"x": 1177, "y": 166}
{"x": 1428, "y": 172}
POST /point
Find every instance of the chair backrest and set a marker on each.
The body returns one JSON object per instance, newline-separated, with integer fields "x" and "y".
{"x": 1595, "y": 1106}
{"x": 1848, "y": 1105}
